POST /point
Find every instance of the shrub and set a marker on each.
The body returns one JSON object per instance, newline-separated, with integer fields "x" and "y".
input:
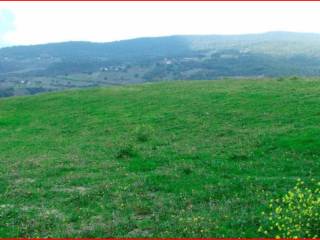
{"x": 126, "y": 151}
{"x": 144, "y": 133}
{"x": 296, "y": 215}
{"x": 294, "y": 78}
{"x": 187, "y": 170}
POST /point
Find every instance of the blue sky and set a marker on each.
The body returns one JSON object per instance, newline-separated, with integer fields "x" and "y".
{"x": 24, "y": 23}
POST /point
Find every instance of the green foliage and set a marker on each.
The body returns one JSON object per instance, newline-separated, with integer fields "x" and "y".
{"x": 6, "y": 92}
{"x": 296, "y": 215}
{"x": 144, "y": 133}
{"x": 126, "y": 151}
{"x": 294, "y": 78}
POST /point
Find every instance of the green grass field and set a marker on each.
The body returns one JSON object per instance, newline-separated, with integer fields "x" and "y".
{"x": 172, "y": 159}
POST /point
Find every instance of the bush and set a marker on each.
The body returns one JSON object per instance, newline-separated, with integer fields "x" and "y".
{"x": 126, "y": 151}
{"x": 144, "y": 133}
{"x": 296, "y": 215}
{"x": 6, "y": 92}
{"x": 294, "y": 78}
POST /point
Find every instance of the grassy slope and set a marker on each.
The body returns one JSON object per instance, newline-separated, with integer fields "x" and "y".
{"x": 187, "y": 159}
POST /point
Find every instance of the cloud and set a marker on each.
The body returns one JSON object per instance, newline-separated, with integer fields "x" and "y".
{"x": 34, "y": 22}
{"x": 6, "y": 25}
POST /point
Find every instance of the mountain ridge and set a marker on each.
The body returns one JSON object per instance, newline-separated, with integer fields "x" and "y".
{"x": 268, "y": 33}
{"x": 73, "y": 64}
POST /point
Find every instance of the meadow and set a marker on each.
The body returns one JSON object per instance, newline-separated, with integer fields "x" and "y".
{"x": 169, "y": 159}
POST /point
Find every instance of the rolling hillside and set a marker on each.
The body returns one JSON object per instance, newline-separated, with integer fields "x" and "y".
{"x": 182, "y": 159}
{"x": 58, "y": 66}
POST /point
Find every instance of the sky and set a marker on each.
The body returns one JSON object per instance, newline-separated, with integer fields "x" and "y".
{"x": 24, "y": 23}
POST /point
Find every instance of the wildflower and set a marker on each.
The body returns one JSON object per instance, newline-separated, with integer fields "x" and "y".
{"x": 296, "y": 214}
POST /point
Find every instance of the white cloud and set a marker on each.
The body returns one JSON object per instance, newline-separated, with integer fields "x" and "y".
{"x": 6, "y": 25}
{"x": 40, "y": 22}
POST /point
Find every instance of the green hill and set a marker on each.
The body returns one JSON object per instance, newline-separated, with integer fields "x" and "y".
{"x": 179, "y": 159}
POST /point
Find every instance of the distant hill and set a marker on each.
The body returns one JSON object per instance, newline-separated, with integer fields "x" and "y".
{"x": 56, "y": 66}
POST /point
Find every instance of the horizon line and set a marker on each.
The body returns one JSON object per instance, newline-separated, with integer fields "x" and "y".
{"x": 158, "y": 36}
